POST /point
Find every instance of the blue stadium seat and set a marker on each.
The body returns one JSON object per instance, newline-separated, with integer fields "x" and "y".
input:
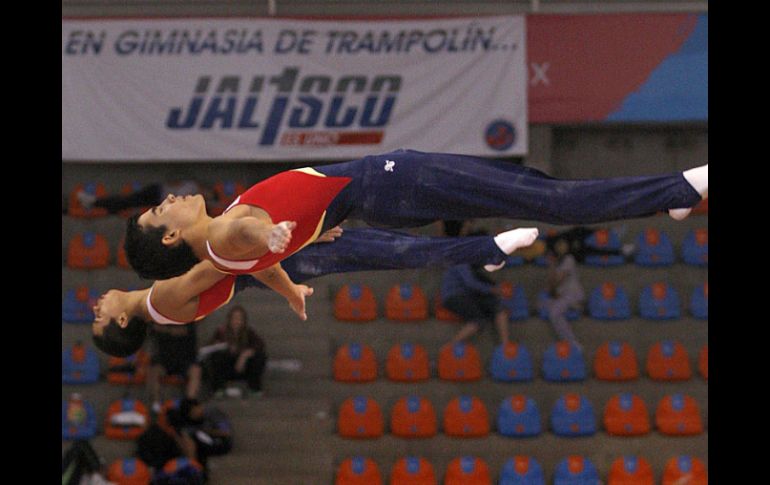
{"x": 573, "y": 415}
{"x": 518, "y": 416}
{"x": 514, "y": 301}
{"x": 511, "y": 363}
{"x": 695, "y": 247}
{"x": 522, "y": 470}
{"x": 572, "y": 313}
{"x": 77, "y": 304}
{"x": 576, "y": 470}
{"x": 609, "y": 301}
{"x": 699, "y": 301}
{"x": 659, "y": 301}
{"x": 78, "y": 419}
{"x": 79, "y": 365}
{"x": 654, "y": 248}
{"x": 604, "y": 239}
{"x": 563, "y": 362}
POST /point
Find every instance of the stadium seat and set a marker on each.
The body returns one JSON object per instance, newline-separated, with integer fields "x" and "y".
{"x": 440, "y": 311}
{"x": 180, "y": 470}
{"x": 563, "y": 362}
{"x": 630, "y": 470}
{"x": 518, "y": 416}
{"x": 616, "y": 361}
{"x": 511, "y": 362}
{"x": 573, "y": 415}
{"x": 76, "y": 209}
{"x": 466, "y": 417}
{"x": 358, "y": 470}
{"x": 654, "y": 248}
{"x": 78, "y": 419}
{"x": 678, "y": 415}
{"x": 572, "y": 313}
{"x": 685, "y": 469}
{"x": 459, "y": 362}
{"x": 126, "y": 419}
{"x": 355, "y": 362}
{"x": 88, "y": 250}
{"x": 609, "y": 301}
{"x": 79, "y": 365}
{"x": 626, "y": 414}
{"x": 355, "y": 303}
{"x": 360, "y": 417}
{"x": 514, "y": 301}
{"x": 604, "y": 239}
{"x": 412, "y": 470}
{"x": 407, "y": 362}
{"x": 703, "y": 361}
{"x": 413, "y": 417}
{"x": 129, "y": 471}
{"x": 659, "y": 301}
{"x": 128, "y": 370}
{"x": 78, "y": 303}
{"x": 668, "y": 360}
{"x": 522, "y": 470}
{"x": 127, "y": 189}
{"x": 695, "y": 247}
{"x": 699, "y": 301}
{"x": 225, "y": 192}
{"x": 467, "y": 470}
{"x": 576, "y": 470}
{"x": 121, "y": 260}
{"x": 406, "y": 302}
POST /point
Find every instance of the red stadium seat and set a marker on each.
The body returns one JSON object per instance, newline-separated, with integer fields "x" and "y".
{"x": 678, "y": 415}
{"x": 358, "y": 470}
{"x": 407, "y": 362}
{"x": 668, "y": 361}
{"x": 355, "y": 303}
{"x": 76, "y": 209}
{"x": 459, "y": 362}
{"x": 413, "y": 417}
{"x": 442, "y": 313}
{"x": 703, "y": 361}
{"x": 467, "y": 470}
{"x": 126, "y": 419}
{"x": 88, "y": 250}
{"x": 685, "y": 469}
{"x": 616, "y": 361}
{"x": 355, "y": 362}
{"x": 128, "y": 370}
{"x": 626, "y": 415}
{"x": 406, "y": 303}
{"x": 466, "y": 417}
{"x": 129, "y": 471}
{"x": 631, "y": 470}
{"x": 225, "y": 192}
{"x": 360, "y": 417}
{"x": 412, "y": 470}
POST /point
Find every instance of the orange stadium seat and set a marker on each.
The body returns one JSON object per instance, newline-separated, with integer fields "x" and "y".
{"x": 407, "y": 362}
{"x": 360, "y": 417}
{"x": 128, "y": 370}
{"x": 122, "y": 260}
{"x": 406, "y": 303}
{"x": 358, "y": 470}
{"x": 668, "y": 361}
{"x": 355, "y": 303}
{"x": 626, "y": 414}
{"x": 466, "y": 417}
{"x": 76, "y": 209}
{"x": 88, "y": 250}
{"x": 441, "y": 313}
{"x": 678, "y": 415}
{"x": 467, "y": 470}
{"x": 685, "y": 469}
{"x": 703, "y": 361}
{"x": 413, "y": 417}
{"x": 129, "y": 471}
{"x": 412, "y": 470}
{"x": 225, "y": 192}
{"x": 355, "y": 362}
{"x": 630, "y": 470}
{"x": 459, "y": 362}
{"x": 126, "y": 419}
{"x": 616, "y": 361}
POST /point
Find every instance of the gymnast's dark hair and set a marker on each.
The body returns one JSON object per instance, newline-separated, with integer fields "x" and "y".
{"x": 150, "y": 258}
{"x": 122, "y": 342}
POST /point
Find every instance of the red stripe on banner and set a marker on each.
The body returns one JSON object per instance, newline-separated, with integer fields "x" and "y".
{"x": 325, "y": 138}
{"x": 582, "y": 67}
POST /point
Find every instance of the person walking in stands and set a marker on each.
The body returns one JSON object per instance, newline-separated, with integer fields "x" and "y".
{"x": 564, "y": 289}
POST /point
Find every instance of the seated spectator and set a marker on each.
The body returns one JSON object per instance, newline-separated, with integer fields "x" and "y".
{"x": 149, "y": 195}
{"x": 242, "y": 354}
{"x": 173, "y": 353}
{"x": 471, "y": 294}
{"x": 565, "y": 291}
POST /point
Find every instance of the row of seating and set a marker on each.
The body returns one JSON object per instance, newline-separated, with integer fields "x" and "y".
{"x": 91, "y": 250}
{"x": 134, "y": 471}
{"x": 80, "y": 365}
{"x": 522, "y": 470}
{"x": 666, "y": 360}
{"x": 407, "y": 302}
{"x": 518, "y": 416}
{"x": 224, "y": 191}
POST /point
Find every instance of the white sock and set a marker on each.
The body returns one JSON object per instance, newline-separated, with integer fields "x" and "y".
{"x": 510, "y": 241}
{"x": 698, "y": 177}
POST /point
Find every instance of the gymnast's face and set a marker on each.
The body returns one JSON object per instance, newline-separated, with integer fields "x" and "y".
{"x": 110, "y": 306}
{"x": 176, "y": 213}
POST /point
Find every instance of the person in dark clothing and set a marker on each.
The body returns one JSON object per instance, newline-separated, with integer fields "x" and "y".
{"x": 80, "y": 461}
{"x": 174, "y": 353}
{"x": 208, "y": 427}
{"x": 244, "y": 356}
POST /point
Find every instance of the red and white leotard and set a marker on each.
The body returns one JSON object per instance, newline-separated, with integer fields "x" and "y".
{"x": 209, "y": 300}
{"x": 300, "y": 195}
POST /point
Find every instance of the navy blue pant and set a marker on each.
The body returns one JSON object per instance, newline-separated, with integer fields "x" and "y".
{"x": 407, "y": 188}
{"x": 369, "y": 249}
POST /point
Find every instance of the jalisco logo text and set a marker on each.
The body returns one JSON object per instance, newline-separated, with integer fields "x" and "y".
{"x": 303, "y": 110}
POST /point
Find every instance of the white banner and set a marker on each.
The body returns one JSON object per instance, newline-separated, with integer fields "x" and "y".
{"x": 265, "y": 89}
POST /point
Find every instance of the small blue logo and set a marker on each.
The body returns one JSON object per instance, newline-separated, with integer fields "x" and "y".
{"x": 500, "y": 135}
